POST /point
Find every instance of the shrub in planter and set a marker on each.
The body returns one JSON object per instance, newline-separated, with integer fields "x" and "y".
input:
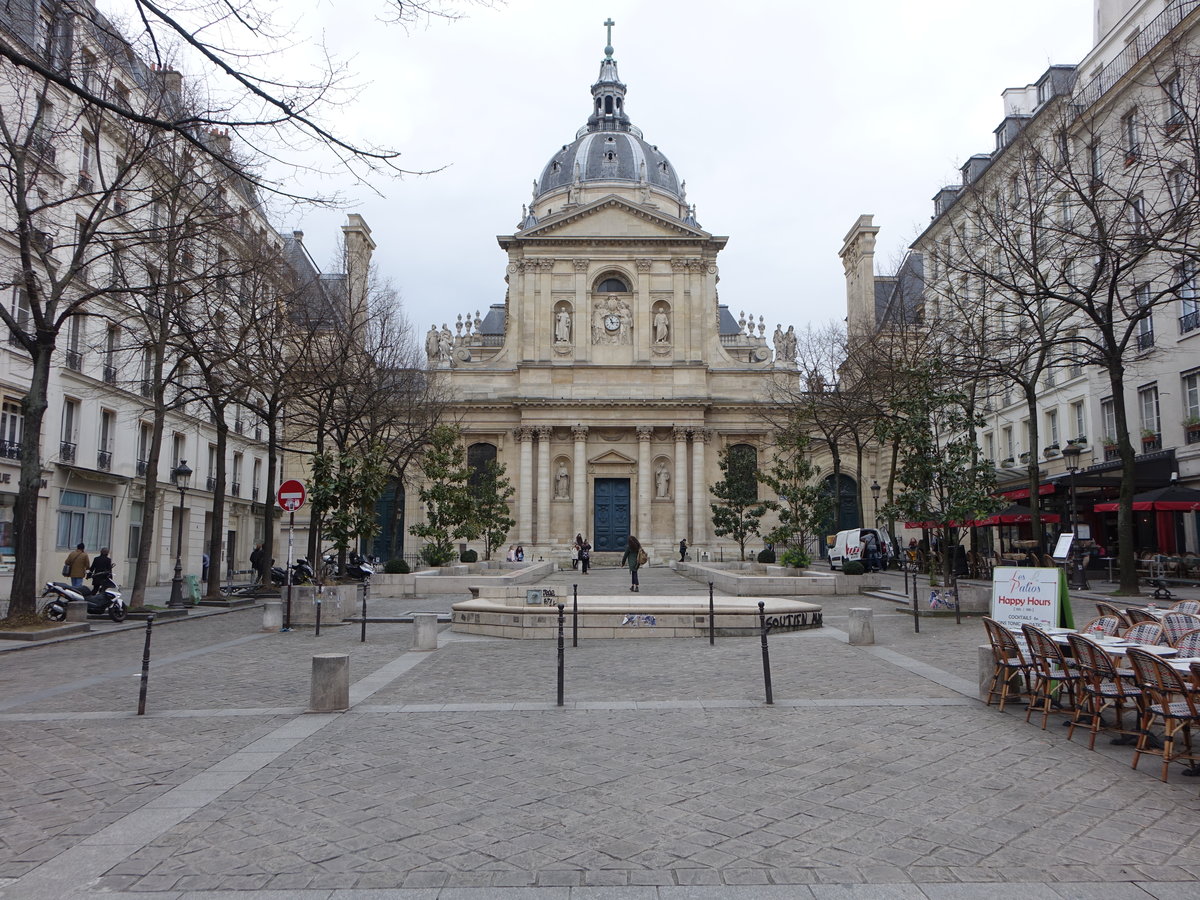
{"x": 468, "y": 556}
{"x": 766, "y": 556}
{"x": 434, "y": 556}
{"x": 395, "y": 567}
{"x": 853, "y": 568}
{"x": 796, "y": 558}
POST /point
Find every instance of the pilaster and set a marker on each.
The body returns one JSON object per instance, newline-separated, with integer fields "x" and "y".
{"x": 579, "y": 498}
{"x": 544, "y": 497}
{"x": 700, "y": 439}
{"x": 645, "y": 481}
{"x": 524, "y": 437}
{"x": 680, "y": 433}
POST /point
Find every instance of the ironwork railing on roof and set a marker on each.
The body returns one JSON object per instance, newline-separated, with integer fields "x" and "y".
{"x": 1155, "y": 30}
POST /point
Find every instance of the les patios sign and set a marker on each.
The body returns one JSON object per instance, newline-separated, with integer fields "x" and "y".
{"x": 1025, "y": 594}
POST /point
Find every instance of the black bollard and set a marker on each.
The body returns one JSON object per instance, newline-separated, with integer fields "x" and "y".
{"x": 762, "y": 625}
{"x": 957, "y": 613}
{"x": 906, "y": 566}
{"x": 574, "y": 615}
{"x": 712, "y": 617}
{"x": 366, "y": 587}
{"x": 916, "y": 614}
{"x": 145, "y": 667}
{"x": 318, "y": 631}
{"x": 561, "y": 621}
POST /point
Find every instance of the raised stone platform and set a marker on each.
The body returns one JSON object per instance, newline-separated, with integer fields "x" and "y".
{"x": 629, "y": 616}
{"x": 750, "y": 579}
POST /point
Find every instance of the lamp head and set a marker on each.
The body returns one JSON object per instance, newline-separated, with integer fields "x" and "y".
{"x": 1071, "y": 454}
{"x": 875, "y": 489}
{"x": 180, "y": 474}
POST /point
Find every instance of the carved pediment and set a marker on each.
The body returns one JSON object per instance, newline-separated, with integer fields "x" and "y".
{"x": 612, "y": 458}
{"x": 610, "y": 216}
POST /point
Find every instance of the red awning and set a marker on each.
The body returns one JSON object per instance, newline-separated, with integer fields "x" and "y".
{"x": 1023, "y": 493}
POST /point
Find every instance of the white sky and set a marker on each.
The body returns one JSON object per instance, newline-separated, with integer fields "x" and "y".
{"x": 787, "y": 119}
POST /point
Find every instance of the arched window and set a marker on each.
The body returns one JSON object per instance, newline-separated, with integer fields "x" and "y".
{"x": 613, "y": 286}
{"x": 843, "y": 490}
{"x": 478, "y": 456}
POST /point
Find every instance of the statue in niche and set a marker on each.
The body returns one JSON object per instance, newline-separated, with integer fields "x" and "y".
{"x": 662, "y": 482}
{"x": 562, "y": 326}
{"x": 562, "y": 482}
{"x": 662, "y": 327}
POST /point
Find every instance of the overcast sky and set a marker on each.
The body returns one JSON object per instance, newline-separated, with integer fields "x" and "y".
{"x": 787, "y": 119}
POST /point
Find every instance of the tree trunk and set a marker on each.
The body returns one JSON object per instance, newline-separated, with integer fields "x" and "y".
{"x": 22, "y": 600}
{"x": 269, "y": 498}
{"x": 1034, "y": 472}
{"x": 146, "y": 557}
{"x": 216, "y": 531}
{"x": 1126, "y": 557}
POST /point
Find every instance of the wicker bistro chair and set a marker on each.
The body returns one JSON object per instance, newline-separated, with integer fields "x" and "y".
{"x": 1011, "y": 664}
{"x": 1145, "y": 633}
{"x": 1107, "y": 609}
{"x": 1167, "y": 698}
{"x": 1176, "y": 624}
{"x": 1051, "y": 674}
{"x": 1191, "y": 607}
{"x": 1188, "y": 645}
{"x": 1136, "y": 615}
{"x": 1108, "y": 626}
{"x": 1100, "y": 688}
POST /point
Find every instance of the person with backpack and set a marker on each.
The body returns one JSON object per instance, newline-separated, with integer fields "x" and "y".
{"x": 634, "y": 557}
{"x": 585, "y": 553}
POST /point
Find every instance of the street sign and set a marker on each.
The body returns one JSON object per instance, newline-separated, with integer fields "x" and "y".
{"x": 291, "y": 495}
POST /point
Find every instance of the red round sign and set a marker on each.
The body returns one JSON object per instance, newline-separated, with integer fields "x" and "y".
{"x": 291, "y": 495}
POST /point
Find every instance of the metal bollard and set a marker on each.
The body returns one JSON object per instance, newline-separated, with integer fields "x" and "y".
{"x": 145, "y": 668}
{"x": 366, "y": 586}
{"x": 561, "y": 620}
{"x": 916, "y": 613}
{"x": 712, "y": 633}
{"x": 317, "y": 596}
{"x": 574, "y": 615}
{"x": 762, "y": 624}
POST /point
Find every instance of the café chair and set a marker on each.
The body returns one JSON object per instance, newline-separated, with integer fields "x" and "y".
{"x": 1109, "y": 626}
{"x": 1177, "y": 624}
{"x": 1192, "y": 607}
{"x": 1099, "y": 688}
{"x": 1135, "y": 615}
{"x": 1011, "y": 664}
{"x": 1052, "y": 677}
{"x": 1188, "y": 645}
{"x": 1107, "y": 609}
{"x": 1145, "y": 633}
{"x": 1166, "y": 698}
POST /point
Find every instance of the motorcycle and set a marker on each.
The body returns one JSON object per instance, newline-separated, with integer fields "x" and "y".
{"x": 302, "y": 573}
{"x": 357, "y": 567}
{"x": 103, "y": 599}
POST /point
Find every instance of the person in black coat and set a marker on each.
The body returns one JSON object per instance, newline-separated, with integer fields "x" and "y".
{"x": 101, "y": 570}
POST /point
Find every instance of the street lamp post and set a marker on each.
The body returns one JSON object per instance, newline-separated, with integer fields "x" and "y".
{"x": 875, "y": 489}
{"x": 180, "y": 475}
{"x": 1071, "y": 454}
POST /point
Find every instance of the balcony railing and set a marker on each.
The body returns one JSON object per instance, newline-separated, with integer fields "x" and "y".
{"x": 110, "y": 374}
{"x": 66, "y": 451}
{"x": 103, "y": 460}
{"x": 258, "y": 432}
{"x": 1152, "y": 443}
{"x": 1145, "y": 340}
{"x": 253, "y": 493}
{"x": 1146, "y": 40}
{"x": 210, "y": 483}
{"x": 147, "y": 389}
{"x": 235, "y": 489}
{"x": 239, "y": 427}
{"x": 74, "y": 360}
{"x": 1189, "y": 322}
{"x": 10, "y": 449}
{"x": 43, "y": 148}
{"x": 142, "y": 465}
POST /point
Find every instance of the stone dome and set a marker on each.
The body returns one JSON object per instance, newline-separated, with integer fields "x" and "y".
{"x": 609, "y": 147}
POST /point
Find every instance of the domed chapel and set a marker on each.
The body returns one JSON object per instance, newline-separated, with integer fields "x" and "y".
{"x": 611, "y": 375}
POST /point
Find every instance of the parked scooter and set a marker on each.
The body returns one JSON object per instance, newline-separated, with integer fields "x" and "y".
{"x": 357, "y": 567}
{"x": 302, "y": 573}
{"x": 103, "y": 599}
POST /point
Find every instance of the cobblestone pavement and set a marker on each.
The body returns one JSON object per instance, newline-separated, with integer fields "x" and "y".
{"x": 454, "y": 774}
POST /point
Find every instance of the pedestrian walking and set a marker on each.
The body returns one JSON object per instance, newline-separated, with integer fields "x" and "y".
{"x": 575, "y": 551}
{"x": 585, "y": 553}
{"x": 100, "y": 570}
{"x": 256, "y": 556}
{"x": 683, "y": 550}
{"x": 634, "y": 557}
{"x": 77, "y": 565}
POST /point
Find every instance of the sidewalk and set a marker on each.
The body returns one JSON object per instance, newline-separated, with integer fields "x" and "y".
{"x": 876, "y": 772}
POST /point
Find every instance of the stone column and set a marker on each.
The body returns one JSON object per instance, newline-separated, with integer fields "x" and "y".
{"x": 645, "y": 476}
{"x": 700, "y": 502}
{"x": 680, "y": 482}
{"x": 524, "y": 437}
{"x": 644, "y": 332}
{"x": 583, "y": 320}
{"x": 545, "y": 490}
{"x": 579, "y": 498}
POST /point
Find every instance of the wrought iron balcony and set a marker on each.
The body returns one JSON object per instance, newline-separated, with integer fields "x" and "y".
{"x": 74, "y": 360}
{"x": 1145, "y": 340}
{"x": 142, "y": 465}
{"x": 147, "y": 389}
{"x": 66, "y": 451}
{"x": 110, "y": 374}
{"x": 254, "y": 493}
{"x": 103, "y": 460}
{"x": 10, "y": 449}
{"x": 1189, "y": 322}
{"x": 235, "y": 489}
{"x": 210, "y": 483}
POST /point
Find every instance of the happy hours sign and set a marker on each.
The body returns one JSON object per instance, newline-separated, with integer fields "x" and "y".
{"x": 1025, "y": 594}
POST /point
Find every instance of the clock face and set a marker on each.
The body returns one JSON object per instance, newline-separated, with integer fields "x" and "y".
{"x": 612, "y": 322}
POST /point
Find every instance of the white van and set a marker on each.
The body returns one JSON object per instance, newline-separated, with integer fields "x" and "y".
{"x": 847, "y": 546}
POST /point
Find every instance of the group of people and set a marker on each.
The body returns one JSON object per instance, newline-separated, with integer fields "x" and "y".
{"x": 581, "y": 553}
{"x": 79, "y": 565}
{"x": 516, "y": 553}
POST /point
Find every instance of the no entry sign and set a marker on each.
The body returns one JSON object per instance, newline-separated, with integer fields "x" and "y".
{"x": 291, "y": 495}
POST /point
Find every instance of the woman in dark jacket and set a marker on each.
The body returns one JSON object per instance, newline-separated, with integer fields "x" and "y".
{"x": 633, "y": 552}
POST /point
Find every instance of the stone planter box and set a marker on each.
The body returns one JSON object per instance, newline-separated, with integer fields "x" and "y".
{"x": 337, "y": 603}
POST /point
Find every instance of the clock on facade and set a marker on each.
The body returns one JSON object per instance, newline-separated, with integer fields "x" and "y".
{"x": 612, "y": 322}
